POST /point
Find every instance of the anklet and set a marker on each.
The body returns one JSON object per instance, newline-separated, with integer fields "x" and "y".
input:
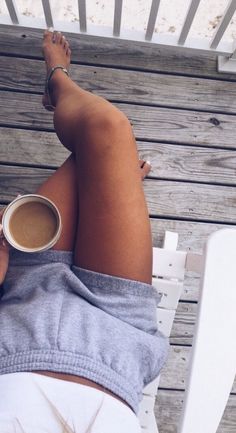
{"x": 51, "y": 107}
{"x": 53, "y": 70}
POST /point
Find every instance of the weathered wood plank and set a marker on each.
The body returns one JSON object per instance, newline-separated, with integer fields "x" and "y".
{"x": 191, "y": 201}
{"x": 164, "y": 198}
{"x": 174, "y": 374}
{"x": 21, "y": 146}
{"x": 168, "y": 161}
{"x": 168, "y": 407}
{"x": 183, "y": 327}
{"x": 149, "y": 123}
{"x": 129, "y": 86}
{"x": 113, "y": 52}
{"x": 192, "y": 235}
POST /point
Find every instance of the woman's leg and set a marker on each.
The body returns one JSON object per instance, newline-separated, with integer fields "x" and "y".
{"x": 61, "y": 188}
{"x": 113, "y": 235}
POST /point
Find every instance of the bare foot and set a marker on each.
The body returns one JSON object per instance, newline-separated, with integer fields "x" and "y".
{"x": 56, "y": 51}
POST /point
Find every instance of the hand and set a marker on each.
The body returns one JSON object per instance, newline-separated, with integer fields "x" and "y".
{"x": 4, "y": 252}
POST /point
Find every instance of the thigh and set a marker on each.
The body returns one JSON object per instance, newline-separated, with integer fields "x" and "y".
{"x": 114, "y": 235}
{"x": 61, "y": 188}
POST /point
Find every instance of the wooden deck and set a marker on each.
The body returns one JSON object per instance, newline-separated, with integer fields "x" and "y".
{"x": 184, "y": 118}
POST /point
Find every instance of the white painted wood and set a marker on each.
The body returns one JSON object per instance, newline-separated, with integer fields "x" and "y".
{"x": 146, "y": 415}
{"x": 223, "y": 24}
{"x": 188, "y": 21}
{"x": 12, "y": 9}
{"x": 213, "y": 365}
{"x": 233, "y": 55}
{"x": 117, "y": 17}
{"x": 226, "y": 64}
{"x": 170, "y": 240}
{"x": 47, "y": 13}
{"x": 151, "y": 426}
{"x": 169, "y": 264}
{"x": 82, "y": 15}
{"x": 152, "y": 19}
{"x": 151, "y": 388}
{"x": 165, "y": 319}
{"x": 170, "y": 291}
{"x": 194, "y": 262}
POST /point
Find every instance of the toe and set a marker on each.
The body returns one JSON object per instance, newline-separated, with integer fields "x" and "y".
{"x": 68, "y": 52}
{"x": 66, "y": 45}
{"x": 58, "y": 37}
{"x": 141, "y": 163}
{"x": 145, "y": 168}
{"x": 47, "y": 35}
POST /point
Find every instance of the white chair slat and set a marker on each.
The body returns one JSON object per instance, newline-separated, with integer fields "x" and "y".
{"x": 165, "y": 319}
{"x": 213, "y": 360}
{"x": 151, "y": 426}
{"x": 169, "y": 264}
{"x": 151, "y": 388}
{"x": 146, "y": 415}
{"x": 170, "y": 291}
{"x": 170, "y": 241}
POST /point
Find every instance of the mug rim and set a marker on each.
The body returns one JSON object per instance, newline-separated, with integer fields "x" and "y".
{"x": 45, "y": 247}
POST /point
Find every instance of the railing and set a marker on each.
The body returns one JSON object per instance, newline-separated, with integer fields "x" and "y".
{"x": 217, "y": 44}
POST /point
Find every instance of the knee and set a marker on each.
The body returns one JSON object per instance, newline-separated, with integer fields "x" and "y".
{"x": 109, "y": 122}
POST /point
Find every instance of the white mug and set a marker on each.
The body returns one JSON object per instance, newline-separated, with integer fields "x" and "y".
{"x": 10, "y": 209}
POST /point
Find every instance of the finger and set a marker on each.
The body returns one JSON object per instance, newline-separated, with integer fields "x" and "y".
{"x": 4, "y": 245}
{"x": 3, "y": 241}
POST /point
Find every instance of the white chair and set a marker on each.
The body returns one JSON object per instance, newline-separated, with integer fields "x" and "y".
{"x": 212, "y": 366}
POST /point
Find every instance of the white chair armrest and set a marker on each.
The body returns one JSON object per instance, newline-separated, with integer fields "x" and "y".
{"x": 213, "y": 365}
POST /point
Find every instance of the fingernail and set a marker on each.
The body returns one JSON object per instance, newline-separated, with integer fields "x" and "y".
{"x": 148, "y": 162}
{"x": 50, "y": 29}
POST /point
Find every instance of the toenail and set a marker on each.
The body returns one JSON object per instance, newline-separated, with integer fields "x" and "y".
{"x": 148, "y": 162}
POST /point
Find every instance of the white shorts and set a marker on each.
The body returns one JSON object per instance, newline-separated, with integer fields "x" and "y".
{"x": 32, "y": 403}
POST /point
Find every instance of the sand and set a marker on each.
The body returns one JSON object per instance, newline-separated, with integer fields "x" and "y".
{"x": 135, "y": 14}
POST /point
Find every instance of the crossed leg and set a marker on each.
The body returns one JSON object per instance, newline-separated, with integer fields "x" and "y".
{"x": 61, "y": 188}
{"x": 112, "y": 233}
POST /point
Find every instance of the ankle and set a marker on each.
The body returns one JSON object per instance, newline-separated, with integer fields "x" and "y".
{"x": 58, "y": 83}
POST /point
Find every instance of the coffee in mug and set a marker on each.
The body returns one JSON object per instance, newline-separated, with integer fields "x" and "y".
{"x": 31, "y": 223}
